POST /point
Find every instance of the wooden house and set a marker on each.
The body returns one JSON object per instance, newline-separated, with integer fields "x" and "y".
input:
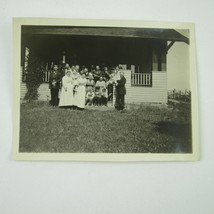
{"x": 142, "y": 53}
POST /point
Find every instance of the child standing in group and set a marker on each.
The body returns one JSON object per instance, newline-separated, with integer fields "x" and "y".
{"x": 104, "y": 97}
{"x": 97, "y": 97}
{"x": 89, "y": 97}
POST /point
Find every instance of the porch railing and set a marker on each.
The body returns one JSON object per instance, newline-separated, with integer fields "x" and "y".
{"x": 137, "y": 79}
{"x": 141, "y": 79}
{"x": 46, "y": 76}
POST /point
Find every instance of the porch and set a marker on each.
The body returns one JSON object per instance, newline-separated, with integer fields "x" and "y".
{"x": 141, "y": 52}
{"x": 140, "y": 87}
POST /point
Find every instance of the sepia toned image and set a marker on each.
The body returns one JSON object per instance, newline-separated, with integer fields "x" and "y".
{"x": 104, "y": 90}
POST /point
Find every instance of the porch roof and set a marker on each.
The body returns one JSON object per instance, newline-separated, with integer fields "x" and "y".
{"x": 147, "y": 33}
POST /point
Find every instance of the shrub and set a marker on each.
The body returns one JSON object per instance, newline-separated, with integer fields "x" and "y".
{"x": 34, "y": 77}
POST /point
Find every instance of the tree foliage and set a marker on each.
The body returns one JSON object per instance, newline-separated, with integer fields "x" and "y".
{"x": 34, "y": 77}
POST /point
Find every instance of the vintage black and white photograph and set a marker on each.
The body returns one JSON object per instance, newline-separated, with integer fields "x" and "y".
{"x": 104, "y": 90}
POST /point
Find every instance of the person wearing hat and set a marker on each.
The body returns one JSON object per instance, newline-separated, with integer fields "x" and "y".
{"x": 66, "y": 96}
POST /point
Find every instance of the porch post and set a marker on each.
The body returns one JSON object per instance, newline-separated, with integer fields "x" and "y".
{"x": 24, "y": 70}
{"x": 113, "y": 96}
{"x": 63, "y": 57}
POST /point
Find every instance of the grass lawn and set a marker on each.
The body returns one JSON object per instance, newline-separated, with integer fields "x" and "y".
{"x": 140, "y": 129}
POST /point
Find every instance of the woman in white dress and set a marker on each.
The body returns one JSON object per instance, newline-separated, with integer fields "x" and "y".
{"x": 81, "y": 91}
{"x": 66, "y": 96}
{"x": 75, "y": 76}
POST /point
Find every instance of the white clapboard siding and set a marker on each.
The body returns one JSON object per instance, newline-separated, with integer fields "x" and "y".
{"x": 43, "y": 91}
{"x": 156, "y": 93}
{"x": 23, "y": 90}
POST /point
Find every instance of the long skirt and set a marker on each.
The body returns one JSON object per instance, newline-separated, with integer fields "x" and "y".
{"x": 79, "y": 97}
{"x": 66, "y": 97}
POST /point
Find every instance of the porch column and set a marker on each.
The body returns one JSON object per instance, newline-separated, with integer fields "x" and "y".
{"x": 24, "y": 70}
{"x": 113, "y": 96}
{"x": 159, "y": 60}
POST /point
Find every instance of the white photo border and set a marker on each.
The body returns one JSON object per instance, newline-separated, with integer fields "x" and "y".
{"x": 16, "y": 155}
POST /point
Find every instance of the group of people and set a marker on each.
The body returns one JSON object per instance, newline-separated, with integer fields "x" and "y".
{"x": 81, "y": 87}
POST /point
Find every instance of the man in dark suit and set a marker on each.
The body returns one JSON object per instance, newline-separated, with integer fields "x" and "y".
{"x": 54, "y": 85}
{"x": 120, "y": 92}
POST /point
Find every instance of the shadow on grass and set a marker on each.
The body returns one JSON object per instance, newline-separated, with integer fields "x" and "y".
{"x": 181, "y": 134}
{"x": 174, "y": 129}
